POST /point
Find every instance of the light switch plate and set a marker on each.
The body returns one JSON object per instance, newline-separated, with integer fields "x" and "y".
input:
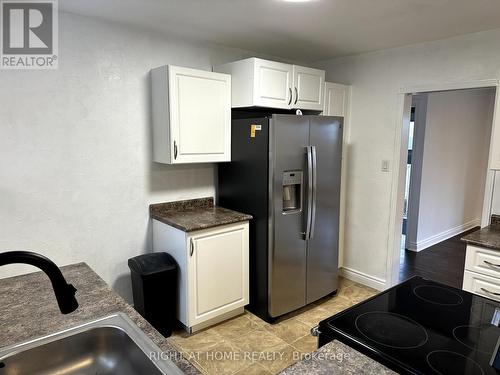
{"x": 385, "y": 165}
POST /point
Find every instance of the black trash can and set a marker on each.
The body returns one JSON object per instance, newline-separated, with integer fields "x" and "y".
{"x": 154, "y": 286}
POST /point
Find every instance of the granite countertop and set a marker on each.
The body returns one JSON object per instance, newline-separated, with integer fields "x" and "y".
{"x": 337, "y": 358}
{"x": 29, "y": 309}
{"x": 195, "y": 214}
{"x": 487, "y": 237}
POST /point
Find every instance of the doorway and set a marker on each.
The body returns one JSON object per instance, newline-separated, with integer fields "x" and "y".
{"x": 411, "y": 132}
{"x": 444, "y": 193}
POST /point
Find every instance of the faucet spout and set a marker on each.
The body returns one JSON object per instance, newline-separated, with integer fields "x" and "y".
{"x": 65, "y": 293}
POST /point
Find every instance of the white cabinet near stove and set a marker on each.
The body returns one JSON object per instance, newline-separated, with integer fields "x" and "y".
{"x": 264, "y": 83}
{"x": 191, "y": 115}
{"x": 482, "y": 272}
{"x": 213, "y": 271}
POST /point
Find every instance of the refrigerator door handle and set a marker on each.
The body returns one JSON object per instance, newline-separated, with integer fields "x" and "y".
{"x": 313, "y": 197}
{"x": 307, "y": 232}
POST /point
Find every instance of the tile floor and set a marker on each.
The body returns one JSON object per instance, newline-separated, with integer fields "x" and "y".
{"x": 247, "y": 345}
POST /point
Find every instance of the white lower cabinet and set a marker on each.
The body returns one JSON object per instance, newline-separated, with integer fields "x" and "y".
{"x": 482, "y": 272}
{"x": 213, "y": 271}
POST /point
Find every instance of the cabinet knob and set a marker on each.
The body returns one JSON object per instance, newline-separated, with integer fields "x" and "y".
{"x": 191, "y": 251}
{"x": 175, "y": 150}
{"x": 296, "y": 95}
{"x": 291, "y": 96}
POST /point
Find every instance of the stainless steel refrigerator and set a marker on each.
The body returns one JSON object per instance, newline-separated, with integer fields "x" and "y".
{"x": 285, "y": 171}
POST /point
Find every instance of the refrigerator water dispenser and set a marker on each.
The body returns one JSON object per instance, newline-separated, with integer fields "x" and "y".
{"x": 292, "y": 191}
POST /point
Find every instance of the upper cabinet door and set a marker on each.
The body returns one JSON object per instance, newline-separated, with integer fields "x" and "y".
{"x": 273, "y": 84}
{"x": 200, "y": 115}
{"x": 335, "y": 99}
{"x": 191, "y": 115}
{"x": 308, "y": 88}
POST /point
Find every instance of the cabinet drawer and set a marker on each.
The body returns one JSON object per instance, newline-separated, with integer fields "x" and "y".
{"x": 483, "y": 261}
{"x": 482, "y": 285}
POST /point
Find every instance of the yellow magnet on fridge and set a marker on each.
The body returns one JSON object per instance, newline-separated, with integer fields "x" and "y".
{"x": 253, "y": 129}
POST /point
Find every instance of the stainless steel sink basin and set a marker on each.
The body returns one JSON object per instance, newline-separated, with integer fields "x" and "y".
{"x": 111, "y": 345}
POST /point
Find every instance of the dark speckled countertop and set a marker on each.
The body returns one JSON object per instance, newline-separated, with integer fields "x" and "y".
{"x": 195, "y": 214}
{"x": 337, "y": 358}
{"x": 486, "y": 237}
{"x": 28, "y": 309}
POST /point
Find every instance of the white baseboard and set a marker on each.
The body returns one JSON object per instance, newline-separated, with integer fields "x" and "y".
{"x": 433, "y": 240}
{"x": 363, "y": 278}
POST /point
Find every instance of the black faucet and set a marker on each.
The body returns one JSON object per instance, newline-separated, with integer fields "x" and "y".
{"x": 65, "y": 293}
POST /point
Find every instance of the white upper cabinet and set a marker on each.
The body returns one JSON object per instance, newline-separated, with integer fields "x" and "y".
{"x": 308, "y": 88}
{"x": 263, "y": 83}
{"x": 272, "y": 84}
{"x": 191, "y": 115}
{"x": 336, "y": 97}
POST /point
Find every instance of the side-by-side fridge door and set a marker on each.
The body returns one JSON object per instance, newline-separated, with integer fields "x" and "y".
{"x": 322, "y": 250}
{"x": 287, "y": 250}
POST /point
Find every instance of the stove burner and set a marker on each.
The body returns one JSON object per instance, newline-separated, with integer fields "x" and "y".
{"x": 483, "y": 339}
{"x": 438, "y": 295}
{"x": 392, "y": 330}
{"x": 445, "y": 362}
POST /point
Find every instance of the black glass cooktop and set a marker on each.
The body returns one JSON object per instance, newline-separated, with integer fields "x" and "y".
{"x": 421, "y": 327}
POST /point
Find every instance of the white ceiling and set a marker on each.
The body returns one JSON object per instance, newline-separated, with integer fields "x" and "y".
{"x": 309, "y": 31}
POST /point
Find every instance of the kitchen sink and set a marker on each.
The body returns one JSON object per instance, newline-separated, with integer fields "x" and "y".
{"x": 110, "y": 345}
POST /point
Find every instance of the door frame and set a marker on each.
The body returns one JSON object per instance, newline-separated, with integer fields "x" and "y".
{"x": 404, "y": 98}
{"x": 419, "y": 101}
